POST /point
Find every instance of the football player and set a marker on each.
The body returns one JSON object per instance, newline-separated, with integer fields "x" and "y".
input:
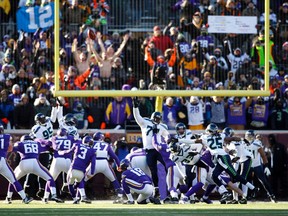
{"x": 104, "y": 151}
{"x": 174, "y": 175}
{"x": 214, "y": 141}
{"x": 135, "y": 180}
{"x": 137, "y": 158}
{"x": 69, "y": 122}
{"x": 148, "y": 126}
{"x": 260, "y": 170}
{"x": 5, "y": 169}
{"x": 241, "y": 158}
{"x": 185, "y": 136}
{"x": 29, "y": 151}
{"x": 84, "y": 155}
{"x": 42, "y": 130}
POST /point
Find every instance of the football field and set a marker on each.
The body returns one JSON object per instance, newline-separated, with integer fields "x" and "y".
{"x": 108, "y": 208}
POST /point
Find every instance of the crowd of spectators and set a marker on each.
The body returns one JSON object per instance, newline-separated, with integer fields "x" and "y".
{"x": 179, "y": 54}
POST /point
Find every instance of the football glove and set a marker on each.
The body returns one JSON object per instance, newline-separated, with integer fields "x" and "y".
{"x": 267, "y": 171}
{"x": 235, "y": 159}
{"x": 135, "y": 102}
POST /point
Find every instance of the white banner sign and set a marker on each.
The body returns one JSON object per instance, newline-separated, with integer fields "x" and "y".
{"x": 232, "y": 24}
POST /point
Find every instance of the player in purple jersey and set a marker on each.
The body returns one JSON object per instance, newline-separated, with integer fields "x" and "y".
{"x": 137, "y": 158}
{"x": 83, "y": 156}
{"x": 135, "y": 180}
{"x": 103, "y": 153}
{"x": 5, "y": 169}
{"x": 174, "y": 175}
{"x": 29, "y": 151}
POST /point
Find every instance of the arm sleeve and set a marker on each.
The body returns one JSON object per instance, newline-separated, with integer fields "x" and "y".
{"x": 53, "y": 115}
{"x": 138, "y": 118}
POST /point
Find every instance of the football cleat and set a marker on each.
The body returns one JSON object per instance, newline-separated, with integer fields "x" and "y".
{"x": 155, "y": 201}
{"x": 233, "y": 201}
{"x": 207, "y": 201}
{"x": 128, "y": 202}
{"x": 243, "y": 201}
{"x": 119, "y": 200}
{"x": 167, "y": 200}
{"x": 56, "y": 199}
{"x": 8, "y": 200}
{"x": 27, "y": 200}
{"x": 184, "y": 200}
{"x": 86, "y": 200}
{"x": 45, "y": 200}
{"x": 143, "y": 202}
{"x": 174, "y": 200}
{"x": 272, "y": 198}
{"x": 226, "y": 196}
{"x": 76, "y": 201}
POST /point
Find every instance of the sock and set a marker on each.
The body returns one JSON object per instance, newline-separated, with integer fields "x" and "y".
{"x": 46, "y": 194}
{"x": 130, "y": 197}
{"x": 250, "y": 186}
{"x": 72, "y": 191}
{"x": 194, "y": 189}
{"x": 208, "y": 191}
{"x": 22, "y": 194}
{"x": 235, "y": 194}
{"x": 245, "y": 190}
{"x": 222, "y": 189}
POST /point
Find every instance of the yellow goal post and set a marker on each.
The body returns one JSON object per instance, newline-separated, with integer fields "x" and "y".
{"x": 155, "y": 93}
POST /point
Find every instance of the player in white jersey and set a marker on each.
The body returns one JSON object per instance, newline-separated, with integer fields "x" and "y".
{"x": 241, "y": 158}
{"x": 214, "y": 141}
{"x": 148, "y": 127}
{"x": 256, "y": 148}
{"x": 104, "y": 152}
{"x": 42, "y": 130}
{"x": 185, "y": 136}
{"x": 69, "y": 122}
{"x": 137, "y": 159}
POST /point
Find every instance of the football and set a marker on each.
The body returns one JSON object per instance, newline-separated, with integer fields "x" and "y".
{"x": 91, "y": 34}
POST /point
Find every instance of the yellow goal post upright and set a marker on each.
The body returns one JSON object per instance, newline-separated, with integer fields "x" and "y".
{"x": 161, "y": 93}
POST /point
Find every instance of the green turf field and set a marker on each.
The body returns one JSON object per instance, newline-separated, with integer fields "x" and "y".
{"x": 106, "y": 208}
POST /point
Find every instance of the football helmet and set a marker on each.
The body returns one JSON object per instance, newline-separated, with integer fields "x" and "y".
{"x": 180, "y": 129}
{"x": 98, "y": 136}
{"x": 229, "y": 132}
{"x": 62, "y": 132}
{"x": 1, "y": 129}
{"x": 250, "y": 135}
{"x": 40, "y": 119}
{"x": 124, "y": 164}
{"x": 88, "y": 140}
{"x": 211, "y": 129}
{"x": 25, "y": 137}
{"x": 70, "y": 120}
{"x": 134, "y": 149}
{"x": 174, "y": 146}
{"x": 156, "y": 117}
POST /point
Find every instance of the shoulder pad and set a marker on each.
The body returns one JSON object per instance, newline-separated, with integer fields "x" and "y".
{"x": 164, "y": 125}
{"x": 257, "y": 143}
{"x": 147, "y": 119}
{"x": 35, "y": 128}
